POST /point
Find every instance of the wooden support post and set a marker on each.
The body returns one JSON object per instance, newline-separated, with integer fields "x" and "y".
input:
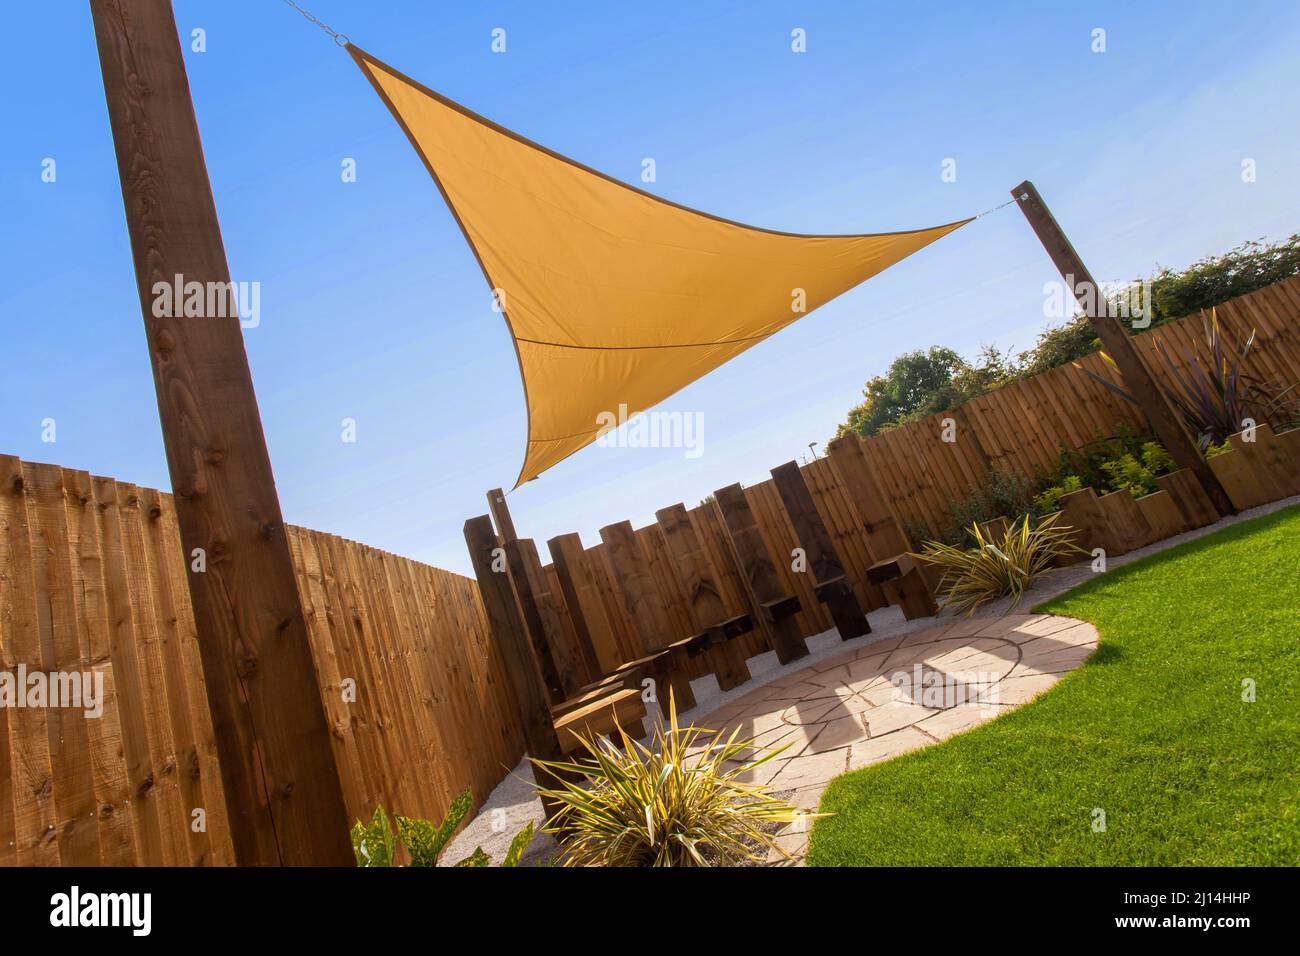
{"x": 501, "y": 514}
{"x": 574, "y": 663}
{"x": 1151, "y": 398}
{"x": 510, "y": 642}
{"x": 283, "y": 795}
{"x": 692, "y": 563}
{"x": 583, "y": 601}
{"x": 516, "y": 564}
{"x": 565, "y": 668}
{"x": 646, "y": 609}
{"x": 833, "y": 588}
{"x": 901, "y": 578}
{"x": 760, "y": 574}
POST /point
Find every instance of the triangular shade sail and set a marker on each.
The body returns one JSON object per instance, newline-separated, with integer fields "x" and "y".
{"x": 614, "y": 297}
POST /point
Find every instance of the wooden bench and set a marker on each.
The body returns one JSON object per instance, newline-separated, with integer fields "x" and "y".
{"x": 598, "y": 714}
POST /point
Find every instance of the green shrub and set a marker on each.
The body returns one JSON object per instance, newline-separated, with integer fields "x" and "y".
{"x": 1106, "y": 465}
{"x": 1002, "y": 494}
{"x": 1049, "y": 499}
{"x": 1138, "y": 475}
{"x": 377, "y": 844}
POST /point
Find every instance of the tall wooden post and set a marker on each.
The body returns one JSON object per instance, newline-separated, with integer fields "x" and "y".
{"x": 778, "y": 608}
{"x": 282, "y": 788}
{"x": 512, "y": 648}
{"x": 1119, "y": 346}
{"x": 517, "y": 564}
{"x": 830, "y": 583}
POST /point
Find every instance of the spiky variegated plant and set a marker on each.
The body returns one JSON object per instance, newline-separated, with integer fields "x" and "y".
{"x": 992, "y": 570}
{"x": 678, "y": 802}
{"x": 1212, "y": 390}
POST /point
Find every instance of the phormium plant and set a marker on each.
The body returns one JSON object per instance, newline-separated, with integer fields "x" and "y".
{"x": 1214, "y": 393}
{"x": 992, "y": 570}
{"x": 678, "y": 802}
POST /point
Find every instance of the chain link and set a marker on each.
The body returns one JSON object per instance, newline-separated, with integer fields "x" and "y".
{"x": 340, "y": 38}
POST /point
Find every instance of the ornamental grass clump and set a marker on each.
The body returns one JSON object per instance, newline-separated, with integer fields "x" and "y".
{"x": 678, "y": 802}
{"x": 992, "y": 570}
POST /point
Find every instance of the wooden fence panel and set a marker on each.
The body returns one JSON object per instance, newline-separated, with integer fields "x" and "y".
{"x": 93, "y": 581}
{"x": 1023, "y": 426}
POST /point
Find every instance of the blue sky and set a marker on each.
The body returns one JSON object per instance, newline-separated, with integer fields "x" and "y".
{"x": 374, "y": 309}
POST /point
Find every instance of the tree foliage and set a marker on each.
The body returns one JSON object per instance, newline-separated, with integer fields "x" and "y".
{"x": 923, "y": 383}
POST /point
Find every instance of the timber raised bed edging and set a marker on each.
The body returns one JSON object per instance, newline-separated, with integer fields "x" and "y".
{"x": 1259, "y": 469}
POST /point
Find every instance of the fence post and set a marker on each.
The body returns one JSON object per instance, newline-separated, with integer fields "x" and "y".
{"x": 1119, "y": 346}
{"x": 582, "y": 600}
{"x": 706, "y": 605}
{"x": 646, "y": 609}
{"x": 898, "y": 575}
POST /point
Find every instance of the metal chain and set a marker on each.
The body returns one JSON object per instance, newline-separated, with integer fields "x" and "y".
{"x": 340, "y": 38}
{"x": 995, "y": 208}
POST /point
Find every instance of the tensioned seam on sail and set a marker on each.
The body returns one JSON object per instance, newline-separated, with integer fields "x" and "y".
{"x": 635, "y": 348}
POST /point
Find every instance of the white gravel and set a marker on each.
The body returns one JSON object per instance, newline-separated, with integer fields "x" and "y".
{"x": 512, "y": 805}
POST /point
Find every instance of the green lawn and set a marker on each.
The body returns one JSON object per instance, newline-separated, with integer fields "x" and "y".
{"x": 1152, "y": 729}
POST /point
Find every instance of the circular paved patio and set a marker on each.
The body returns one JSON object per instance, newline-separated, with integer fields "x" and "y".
{"x": 899, "y": 694}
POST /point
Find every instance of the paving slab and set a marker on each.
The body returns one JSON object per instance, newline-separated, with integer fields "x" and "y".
{"x": 854, "y": 709}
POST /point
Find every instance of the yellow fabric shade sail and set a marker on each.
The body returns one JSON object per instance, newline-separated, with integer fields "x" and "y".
{"x": 614, "y": 296}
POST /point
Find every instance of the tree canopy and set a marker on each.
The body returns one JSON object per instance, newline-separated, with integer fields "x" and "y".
{"x": 924, "y": 382}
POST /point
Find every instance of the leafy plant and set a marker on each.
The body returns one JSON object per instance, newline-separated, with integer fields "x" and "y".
{"x": 1088, "y": 461}
{"x": 1138, "y": 475}
{"x": 991, "y": 570}
{"x": 376, "y": 843}
{"x": 1001, "y": 493}
{"x": 678, "y": 802}
{"x": 1049, "y": 499}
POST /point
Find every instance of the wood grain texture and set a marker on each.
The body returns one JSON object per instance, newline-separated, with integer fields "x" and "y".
{"x": 419, "y": 710}
{"x": 282, "y": 789}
